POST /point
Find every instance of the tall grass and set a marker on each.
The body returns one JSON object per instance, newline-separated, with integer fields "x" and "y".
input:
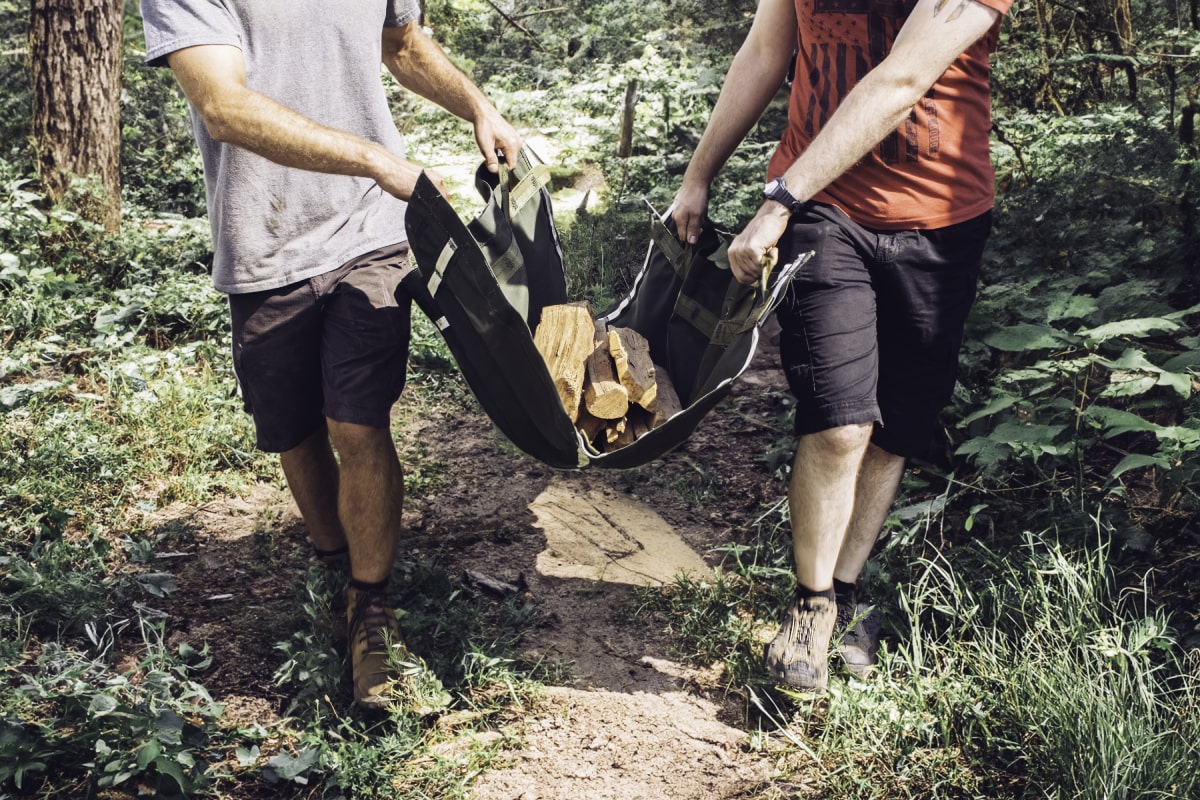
{"x": 1023, "y": 671}
{"x": 1075, "y": 686}
{"x": 1015, "y": 671}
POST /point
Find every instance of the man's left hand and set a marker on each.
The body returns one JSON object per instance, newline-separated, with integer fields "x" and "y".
{"x": 757, "y": 242}
{"x": 495, "y": 135}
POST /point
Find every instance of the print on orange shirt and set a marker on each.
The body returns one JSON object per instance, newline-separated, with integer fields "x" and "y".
{"x": 846, "y": 39}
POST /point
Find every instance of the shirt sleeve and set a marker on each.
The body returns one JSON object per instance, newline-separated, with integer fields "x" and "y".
{"x": 402, "y": 12}
{"x": 172, "y": 25}
{"x": 997, "y": 5}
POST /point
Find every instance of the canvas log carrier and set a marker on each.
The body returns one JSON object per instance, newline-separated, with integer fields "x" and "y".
{"x": 485, "y": 284}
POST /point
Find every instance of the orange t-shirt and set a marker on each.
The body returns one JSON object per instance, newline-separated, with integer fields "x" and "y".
{"x": 935, "y": 169}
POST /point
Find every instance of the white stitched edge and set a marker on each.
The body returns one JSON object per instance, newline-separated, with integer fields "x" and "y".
{"x": 439, "y": 269}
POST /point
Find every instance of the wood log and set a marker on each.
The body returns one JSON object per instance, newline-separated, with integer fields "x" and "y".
{"x": 607, "y": 381}
{"x": 613, "y": 430}
{"x": 640, "y": 420}
{"x": 566, "y": 338}
{"x": 625, "y": 436}
{"x": 591, "y": 427}
{"x": 635, "y": 368}
{"x": 603, "y": 395}
{"x": 668, "y": 399}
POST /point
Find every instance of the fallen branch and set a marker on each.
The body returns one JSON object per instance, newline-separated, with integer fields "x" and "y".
{"x": 516, "y": 24}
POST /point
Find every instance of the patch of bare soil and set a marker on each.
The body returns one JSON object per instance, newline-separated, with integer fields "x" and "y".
{"x": 627, "y": 722}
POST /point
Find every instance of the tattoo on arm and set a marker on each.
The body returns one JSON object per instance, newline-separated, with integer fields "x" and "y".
{"x": 955, "y": 13}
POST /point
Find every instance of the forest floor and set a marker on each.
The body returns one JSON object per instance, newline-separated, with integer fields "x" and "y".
{"x": 625, "y": 720}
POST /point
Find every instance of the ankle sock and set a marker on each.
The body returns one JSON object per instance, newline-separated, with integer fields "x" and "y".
{"x": 333, "y": 556}
{"x": 379, "y": 587}
{"x": 804, "y": 592}
{"x": 843, "y": 589}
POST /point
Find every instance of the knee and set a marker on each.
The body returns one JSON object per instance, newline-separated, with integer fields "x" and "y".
{"x": 844, "y": 441}
{"x": 361, "y": 442}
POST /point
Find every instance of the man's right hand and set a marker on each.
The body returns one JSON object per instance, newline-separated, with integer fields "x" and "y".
{"x": 690, "y": 210}
{"x": 399, "y": 177}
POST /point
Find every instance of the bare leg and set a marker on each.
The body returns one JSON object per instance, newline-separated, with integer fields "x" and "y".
{"x": 878, "y": 481}
{"x": 821, "y": 499}
{"x": 370, "y": 497}
{"x": 312, "y": 476}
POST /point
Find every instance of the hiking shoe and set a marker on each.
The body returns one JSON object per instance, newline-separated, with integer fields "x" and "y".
{"x": 799, "y": 656}
{"x": 374, "y": 637}
{"x": 858, "y": 626}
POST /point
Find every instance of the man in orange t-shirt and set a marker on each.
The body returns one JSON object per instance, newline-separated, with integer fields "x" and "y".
{"x": 884, "y": 172}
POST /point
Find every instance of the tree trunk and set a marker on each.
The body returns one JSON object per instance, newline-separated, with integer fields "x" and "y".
{"x": 75, "y": 50}
{"x": 1046, "y": 87}
{"x": 625, "y": 149}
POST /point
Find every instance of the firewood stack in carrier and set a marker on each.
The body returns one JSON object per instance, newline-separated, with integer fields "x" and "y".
{"x": 607, "y": 382}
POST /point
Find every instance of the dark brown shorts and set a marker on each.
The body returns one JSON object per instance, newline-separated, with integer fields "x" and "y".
{"x": 872, "y": 325}
{"x": 334, "y": 346}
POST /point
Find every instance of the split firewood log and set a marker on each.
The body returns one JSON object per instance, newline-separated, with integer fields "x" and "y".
{"x": 668, "y": 404}
{"x": 614, "y": 429}
{"x": 566, "y": 338}
{"x": 640, "y": 421}
{"x": 631, "y": 355}
{"x": 591, "y": 427}
{"x": 625, "y": 436}
{"x": 607, "y": 381}
{"x": 603, "y": 395}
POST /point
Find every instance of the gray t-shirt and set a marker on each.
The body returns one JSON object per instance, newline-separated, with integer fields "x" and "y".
{"x": 274, "y": 225}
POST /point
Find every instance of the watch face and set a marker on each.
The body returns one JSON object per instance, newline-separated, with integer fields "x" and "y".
{"x": 777, "y": 190}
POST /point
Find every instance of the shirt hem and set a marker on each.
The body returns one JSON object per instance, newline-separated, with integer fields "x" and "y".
{"x": 923, "y": 223}
{"x": 238, "y": 287}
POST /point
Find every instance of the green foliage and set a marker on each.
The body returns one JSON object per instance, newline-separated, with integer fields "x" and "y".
{"x": 447, "y": 675}
{"x": 77, "y": 451}
{"x": 566, "y": 76}
{"x": 1090, "y": 388}
{"x": 16, "y": 97}
{"x": 160, "y": 165}
{"x": 74, "y": 726}
{"x": 1007, "y": 672}
{"x": 1060, "y": 677}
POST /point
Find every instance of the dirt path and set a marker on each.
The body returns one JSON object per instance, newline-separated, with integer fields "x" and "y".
{"x": 628, "y": 721}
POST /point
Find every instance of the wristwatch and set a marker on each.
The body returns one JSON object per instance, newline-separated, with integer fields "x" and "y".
{"x": 777, "y": 190}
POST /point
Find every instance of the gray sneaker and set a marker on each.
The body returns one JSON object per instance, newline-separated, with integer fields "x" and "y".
{"x": 799, "y": 656}
{"x": 858, "y": 626}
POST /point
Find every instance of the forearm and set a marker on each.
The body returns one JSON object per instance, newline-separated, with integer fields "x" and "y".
{"x": 214, "y": 80}
{"x": 751, "y": 83}
{"x": 746, "y": 93}
{"x": 874, "y": 108}
{"x": 753, "y": 79}
{"x": 256, "y": 123}
{"x": 422, "y": 67}
{"x": 928, "y": 43}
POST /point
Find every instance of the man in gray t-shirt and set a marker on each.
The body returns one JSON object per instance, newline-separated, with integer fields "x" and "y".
{"x": 306, "y": 182}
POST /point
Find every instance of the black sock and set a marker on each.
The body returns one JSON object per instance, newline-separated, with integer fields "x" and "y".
{"x": 329, "y": 556}
{"x": 843, "y": 589}
{"x": 804, "y": 592}
{"x": 378, "y": 587}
